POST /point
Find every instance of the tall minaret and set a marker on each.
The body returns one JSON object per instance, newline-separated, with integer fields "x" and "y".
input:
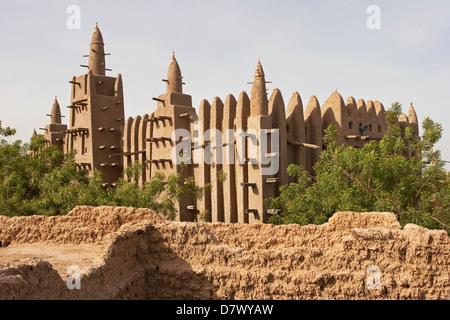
{"x": 174, "y": 78}
{"x": 54, "y": 131}
{"x": 97, "y": 53}
{"x": 258, "y": 123}
{"x": 258, "y": 98}
{"x": 174, "y": 111}
{"x": 97, "y": 116}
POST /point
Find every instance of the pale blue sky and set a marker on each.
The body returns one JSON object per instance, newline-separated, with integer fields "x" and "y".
{"x": 312, "y": 47}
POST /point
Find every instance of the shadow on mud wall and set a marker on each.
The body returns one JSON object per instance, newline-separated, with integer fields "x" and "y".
{"x": 33, "y": 279}
{"x": 150, "y": 267}
{"x": 168, "y": 276}
{"x": 141, "y": 264}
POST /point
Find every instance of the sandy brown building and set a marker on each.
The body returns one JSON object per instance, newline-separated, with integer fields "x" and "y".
{"x": 251, "y": 139}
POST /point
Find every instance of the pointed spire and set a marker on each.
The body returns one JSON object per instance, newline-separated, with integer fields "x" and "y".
{"x": 258, "y": 98}
{"x": 413, "y": 121}
{"x": 259, "y": 69}
{"x": 97, "y": 35}
{"x": 34, "y": 133}
{"x": 412, "y": 116}
{"x": 174, "y": 78}
{"x": 56, "y": 113}
{"x": 97, "y": 53}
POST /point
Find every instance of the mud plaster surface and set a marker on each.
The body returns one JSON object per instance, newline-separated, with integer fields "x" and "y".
{"x": 128, "y": 253}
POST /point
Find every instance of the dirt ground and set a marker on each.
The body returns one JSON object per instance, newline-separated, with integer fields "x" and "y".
{"x": 60, "y": 256}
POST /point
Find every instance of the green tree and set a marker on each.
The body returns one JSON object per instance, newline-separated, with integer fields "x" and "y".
{"x": 21, "y": 172}
{"x": 377, "y": 177}
{"x": 39, "y": 179}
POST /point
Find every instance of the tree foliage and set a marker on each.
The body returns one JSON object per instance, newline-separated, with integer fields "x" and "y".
{"x": 377, "y": 177}
{"x": 42, "y": 180}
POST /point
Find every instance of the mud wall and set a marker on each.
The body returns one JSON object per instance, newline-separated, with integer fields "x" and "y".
{"x": 145, "y": 257}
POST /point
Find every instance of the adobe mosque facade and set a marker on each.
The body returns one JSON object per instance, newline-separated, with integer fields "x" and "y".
{"x": 250, "y": 140}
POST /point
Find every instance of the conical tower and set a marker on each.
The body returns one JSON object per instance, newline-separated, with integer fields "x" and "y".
{"x": 56, "y": 113}
{"x": 413, "y": 122}
{"x": 258, "y": 99}
{"x": 174, "y": 78}
{"x": 97, "y": 53}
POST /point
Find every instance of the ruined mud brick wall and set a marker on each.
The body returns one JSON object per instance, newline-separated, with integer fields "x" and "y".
{"x": 146, "y": 257}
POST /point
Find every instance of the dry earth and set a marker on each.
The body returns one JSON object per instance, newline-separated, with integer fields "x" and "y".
{"x": 128, "y": 253}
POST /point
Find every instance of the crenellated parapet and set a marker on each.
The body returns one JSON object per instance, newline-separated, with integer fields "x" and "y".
{"x": 313, "y": 132}
{"x": 296, "y": 132}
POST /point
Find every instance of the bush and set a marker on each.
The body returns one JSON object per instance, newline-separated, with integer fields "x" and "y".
{"x": 377, "y": 177}
{"x": 42, "y": 180}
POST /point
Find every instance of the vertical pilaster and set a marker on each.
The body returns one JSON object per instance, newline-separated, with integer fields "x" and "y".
{"x": 228, "y": 166}
{"x": 217, "y": 209}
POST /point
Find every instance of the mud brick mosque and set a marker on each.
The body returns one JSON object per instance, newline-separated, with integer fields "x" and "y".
{"x": 104, "y": 140}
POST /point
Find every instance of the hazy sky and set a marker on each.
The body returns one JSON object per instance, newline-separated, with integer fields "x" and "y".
{"x": 312, "y": 47}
